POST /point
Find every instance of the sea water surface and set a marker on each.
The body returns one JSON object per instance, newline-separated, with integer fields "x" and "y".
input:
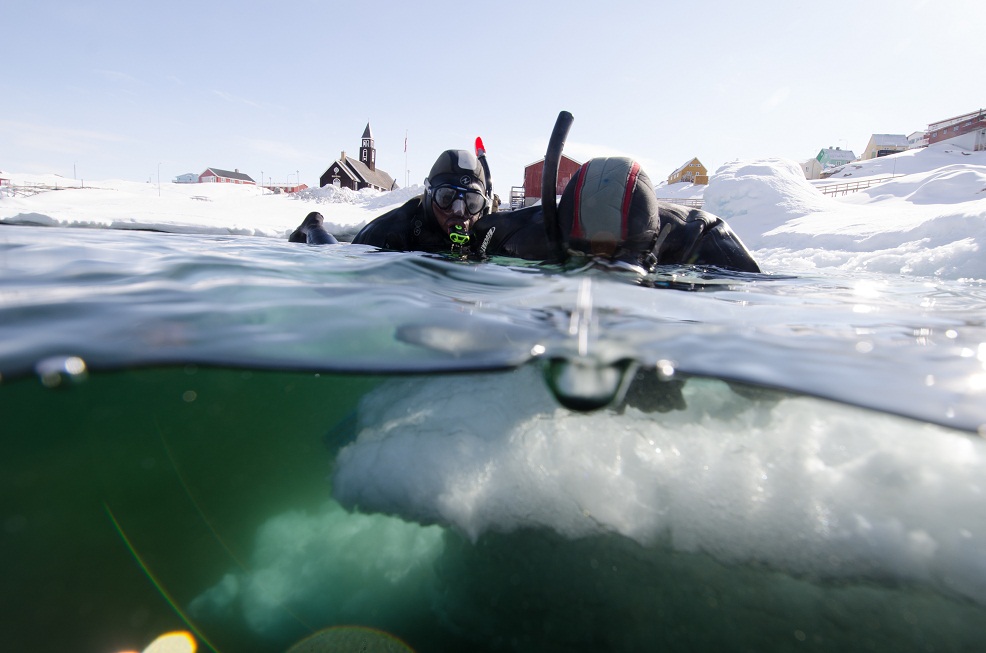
{"x": 262, "y": 442}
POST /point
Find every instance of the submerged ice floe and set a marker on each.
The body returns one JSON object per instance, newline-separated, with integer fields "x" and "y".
{"x": 309, "y": 566}
{"x": 813, "y": 491}
{"x": 473, "y": 508}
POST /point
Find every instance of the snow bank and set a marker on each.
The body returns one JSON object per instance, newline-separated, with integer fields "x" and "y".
{"x": 929, "y": 220}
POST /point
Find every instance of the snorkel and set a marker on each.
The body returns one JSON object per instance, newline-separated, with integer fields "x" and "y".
{"x": 549, "y": 179}
{"x": 481, "y": 155}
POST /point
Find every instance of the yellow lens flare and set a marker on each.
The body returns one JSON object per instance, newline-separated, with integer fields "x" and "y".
{"x": 175, "y": 642}
{"x": 178, "y": 641}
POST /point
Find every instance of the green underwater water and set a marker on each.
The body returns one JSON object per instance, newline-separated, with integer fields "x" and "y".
{"x": 131, "y": 499}
{"x": 171, "y": 465}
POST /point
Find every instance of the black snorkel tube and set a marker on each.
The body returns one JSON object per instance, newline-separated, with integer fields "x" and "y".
{"x": 549, "y": 204}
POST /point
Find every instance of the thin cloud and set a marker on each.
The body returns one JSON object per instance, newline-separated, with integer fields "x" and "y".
{"x": 277, "y": 149}
{"x": 776, "y": 99}
{"x": 236, "y": 100}
{"x": 31, "y": 136}
{"x": 116, "y": 76}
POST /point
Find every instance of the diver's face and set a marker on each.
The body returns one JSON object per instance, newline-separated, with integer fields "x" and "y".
{"x": 457, "y": 207}
{"x": 449, "y": 219}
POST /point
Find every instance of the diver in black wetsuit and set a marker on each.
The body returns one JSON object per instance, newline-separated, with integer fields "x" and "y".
{"x": 452, "y": 215}
{"x": 608, "y": 211}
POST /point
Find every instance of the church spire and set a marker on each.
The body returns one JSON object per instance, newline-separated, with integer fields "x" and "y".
{"x": 368, "y": 153}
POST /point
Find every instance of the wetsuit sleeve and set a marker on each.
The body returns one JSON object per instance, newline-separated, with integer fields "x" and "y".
{"x": 312, "y": 232}
{"x": 393, "y": 230}
{"x": 517, "y": 234}
{"x": 695, "y": 237}
{"x": 721, "y": 247}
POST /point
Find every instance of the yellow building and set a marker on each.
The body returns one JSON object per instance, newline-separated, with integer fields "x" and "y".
{"x": 692, "y": 172}
{"x": 884, "y": 144}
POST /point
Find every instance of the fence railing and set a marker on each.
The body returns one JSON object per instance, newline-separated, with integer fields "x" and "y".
{"x": 693, "y": 203}
{"x": 33, "y": 189}
{"x": 516, "y": 197}
{"x": 846, "y": 187}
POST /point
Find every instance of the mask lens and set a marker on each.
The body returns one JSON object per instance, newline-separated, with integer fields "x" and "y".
{"x": 475, "y": 202}
{"x": 445, "y": 196}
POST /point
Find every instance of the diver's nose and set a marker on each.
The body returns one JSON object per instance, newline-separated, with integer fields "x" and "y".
{"x": 459, "y": 207}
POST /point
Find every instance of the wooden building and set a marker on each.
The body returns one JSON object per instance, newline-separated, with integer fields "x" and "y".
{"x": 812, "y": 169}
{"x": 215, "y": 175}
{"x": 833, "y": 157}
{"x": 917, "y": 139}
{"x": 285, "y": 188}
{"x": 534, "y": 176}
{"x": 357, "y": 174}
{"x": 884, "y": 144}
{"x": 967, "y": 131}
{"x": 691, "y": 172}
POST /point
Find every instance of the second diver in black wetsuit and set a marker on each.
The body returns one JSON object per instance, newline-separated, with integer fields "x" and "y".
{"x": 609, "y": 210}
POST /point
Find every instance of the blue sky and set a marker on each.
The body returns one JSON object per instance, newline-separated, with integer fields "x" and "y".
{"x": 101, "y": 90}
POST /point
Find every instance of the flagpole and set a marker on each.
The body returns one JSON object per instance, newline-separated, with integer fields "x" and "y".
{"x": 406, "y": 171}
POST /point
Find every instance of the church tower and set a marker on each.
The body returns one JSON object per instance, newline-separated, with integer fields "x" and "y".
{"x": 368, "y": 153}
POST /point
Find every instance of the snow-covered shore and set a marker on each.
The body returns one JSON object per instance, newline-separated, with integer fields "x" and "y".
{"x": 928, "y": 220}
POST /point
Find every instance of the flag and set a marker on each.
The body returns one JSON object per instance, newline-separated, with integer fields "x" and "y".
{"x": 405, "y": 142}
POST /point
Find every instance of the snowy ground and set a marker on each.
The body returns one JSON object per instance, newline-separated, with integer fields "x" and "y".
{"x": 929, "y": 220}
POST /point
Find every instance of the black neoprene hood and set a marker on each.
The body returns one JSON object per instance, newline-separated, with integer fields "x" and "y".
{"x": 459, "y": 168}
{"x": 608, "y": 204}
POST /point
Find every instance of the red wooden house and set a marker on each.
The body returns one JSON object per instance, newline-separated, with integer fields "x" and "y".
{"x": 534, "y": 174}
{"x": 215, "y": 175}
{"x": 968, "y": 131}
